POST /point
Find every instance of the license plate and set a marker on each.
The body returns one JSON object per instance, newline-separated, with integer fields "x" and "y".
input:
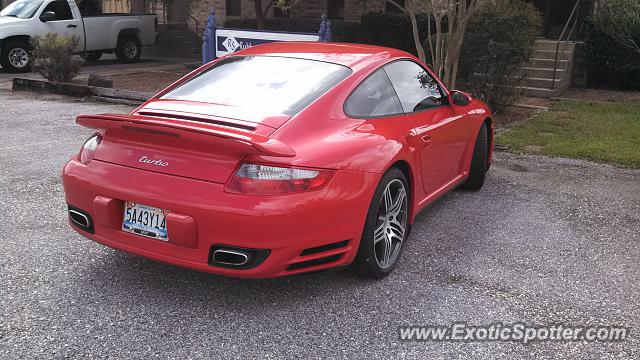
{"x": 145, "y": 221}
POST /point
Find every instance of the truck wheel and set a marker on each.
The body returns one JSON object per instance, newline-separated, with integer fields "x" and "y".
{"x": 15, "y": 57}
{"x": 128, "y": 50}
{"x": 91, "y": 56}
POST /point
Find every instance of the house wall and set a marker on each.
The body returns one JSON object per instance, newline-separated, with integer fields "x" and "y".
{"x": 312, "y": 9}
{"x": 115, "y": 6}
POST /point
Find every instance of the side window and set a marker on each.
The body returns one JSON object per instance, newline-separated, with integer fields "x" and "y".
{"x": 416, "y": 88}
{"x": 373, "y": 97}
{"x": 61, "y": 8}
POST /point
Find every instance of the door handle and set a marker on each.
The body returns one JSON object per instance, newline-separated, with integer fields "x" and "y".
{"x": 72, "y": 26}
{"x": 426, "y": 140}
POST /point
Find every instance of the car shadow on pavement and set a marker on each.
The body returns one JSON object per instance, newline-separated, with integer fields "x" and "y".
{"x": 441, "y": 252}
{"x": 125, "y": 276}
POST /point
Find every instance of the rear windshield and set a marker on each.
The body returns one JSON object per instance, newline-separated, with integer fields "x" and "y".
{"x": 275, "y": 85}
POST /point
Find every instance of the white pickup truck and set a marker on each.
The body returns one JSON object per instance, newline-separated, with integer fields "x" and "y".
{"x": 22, "y": 20}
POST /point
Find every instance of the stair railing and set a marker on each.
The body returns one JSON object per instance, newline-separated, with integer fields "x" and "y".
{"x": 195, "y": 22}
{"x": 566, "y": 41}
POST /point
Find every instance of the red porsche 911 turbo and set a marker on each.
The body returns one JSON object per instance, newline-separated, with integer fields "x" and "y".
{"x": 280, "y": 159}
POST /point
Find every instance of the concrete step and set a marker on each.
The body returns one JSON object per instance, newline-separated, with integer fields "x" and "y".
{"x": 542, "y": 83}
{"x": 551, "y": 54}
{"x": 548, "y": 63}
{"x": 537, "y": 92}
{"x": 544, "y": 72}
{"x": 551, "y": 45}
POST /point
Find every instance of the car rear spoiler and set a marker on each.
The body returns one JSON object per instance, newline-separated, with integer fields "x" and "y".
{"x": 255, "y": 144}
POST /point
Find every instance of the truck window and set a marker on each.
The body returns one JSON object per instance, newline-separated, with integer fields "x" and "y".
{"x": 23, "y": 9}
{"x": 90, "y": 8}
{"x": 61, "y": 8}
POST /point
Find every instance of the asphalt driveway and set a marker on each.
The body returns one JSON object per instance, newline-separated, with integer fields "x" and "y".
{"x": 546, "y": 241}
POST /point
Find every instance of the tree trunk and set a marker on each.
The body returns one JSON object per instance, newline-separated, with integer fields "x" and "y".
{"x": 437, "y": 64}
{"x": 408, "y": 7}
{"x": 259, "y": 14}
{"x": 431, "y": 50}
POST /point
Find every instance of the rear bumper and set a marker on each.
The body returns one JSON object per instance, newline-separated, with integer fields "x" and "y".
{"x": 202, "y": 216}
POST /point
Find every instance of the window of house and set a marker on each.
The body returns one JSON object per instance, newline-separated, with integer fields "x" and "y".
{"x": 374, "y": 97}
{"x": 233, "y": 8}
{"x": 390, "y": 8}
{"x": 279, "y": 13}
{"x": 416, "y": 88}
{"x": 335, "y": 9}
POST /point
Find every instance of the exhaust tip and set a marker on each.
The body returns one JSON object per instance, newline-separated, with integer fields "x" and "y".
{"x": 230, "y": 257}
{"x": 81, "y": 219}
{"x": 238, "y": 258}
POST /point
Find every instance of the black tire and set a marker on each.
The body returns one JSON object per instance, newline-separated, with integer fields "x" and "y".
{"x": 368, "y": 262}
{"x": 478, "y": 169}
{"x": 128, "y": 50}
{"x": 13, "y": 54}
{"x": 91, "y": 56}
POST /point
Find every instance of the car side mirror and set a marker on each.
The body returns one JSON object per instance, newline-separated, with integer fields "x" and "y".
{"x": 47, "y": 16}
{"x": 459, "y": 98}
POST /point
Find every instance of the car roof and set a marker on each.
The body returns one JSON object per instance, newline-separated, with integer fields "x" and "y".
{"x": 347, "y": 54}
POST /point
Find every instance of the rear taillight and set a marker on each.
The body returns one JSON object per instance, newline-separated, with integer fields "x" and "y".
{"x": 264, "y": 179}
{"x": 89, "y": 148}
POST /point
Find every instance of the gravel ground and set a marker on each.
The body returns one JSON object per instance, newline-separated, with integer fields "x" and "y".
{"x": 546, "y": 241}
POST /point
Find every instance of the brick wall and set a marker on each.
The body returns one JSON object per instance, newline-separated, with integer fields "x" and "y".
{"x": 202, "y": 8}
{"x": 312, "y": 9}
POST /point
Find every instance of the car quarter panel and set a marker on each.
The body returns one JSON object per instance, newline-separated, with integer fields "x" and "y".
{"x": 325, "y": 137}
{"x": 319, "y": 135}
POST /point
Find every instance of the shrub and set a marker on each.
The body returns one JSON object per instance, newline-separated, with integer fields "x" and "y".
{"x": 53, "y": 57}
{"x": 611, "y": 56}
{"x": 498, "y": 43}
{"x": 390, "y": 29}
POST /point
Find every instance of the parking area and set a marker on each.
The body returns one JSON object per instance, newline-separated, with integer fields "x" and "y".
{"x": 546, "y": 241}
{"x": 108, "y": 65}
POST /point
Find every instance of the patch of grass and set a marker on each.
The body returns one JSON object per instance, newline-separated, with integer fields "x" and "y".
{"x": 599, "y": 131}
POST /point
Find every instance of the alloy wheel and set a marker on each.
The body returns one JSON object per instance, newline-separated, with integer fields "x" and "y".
{"x": 391, "y": 224}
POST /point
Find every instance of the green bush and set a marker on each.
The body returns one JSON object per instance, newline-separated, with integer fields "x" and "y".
{"x": 498, "y": 43}
{"x": 611, "y": 63}
{"x": 53, "y": 57}
{"x": 390, "y": 29}
{"x": 343, "y": 31}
